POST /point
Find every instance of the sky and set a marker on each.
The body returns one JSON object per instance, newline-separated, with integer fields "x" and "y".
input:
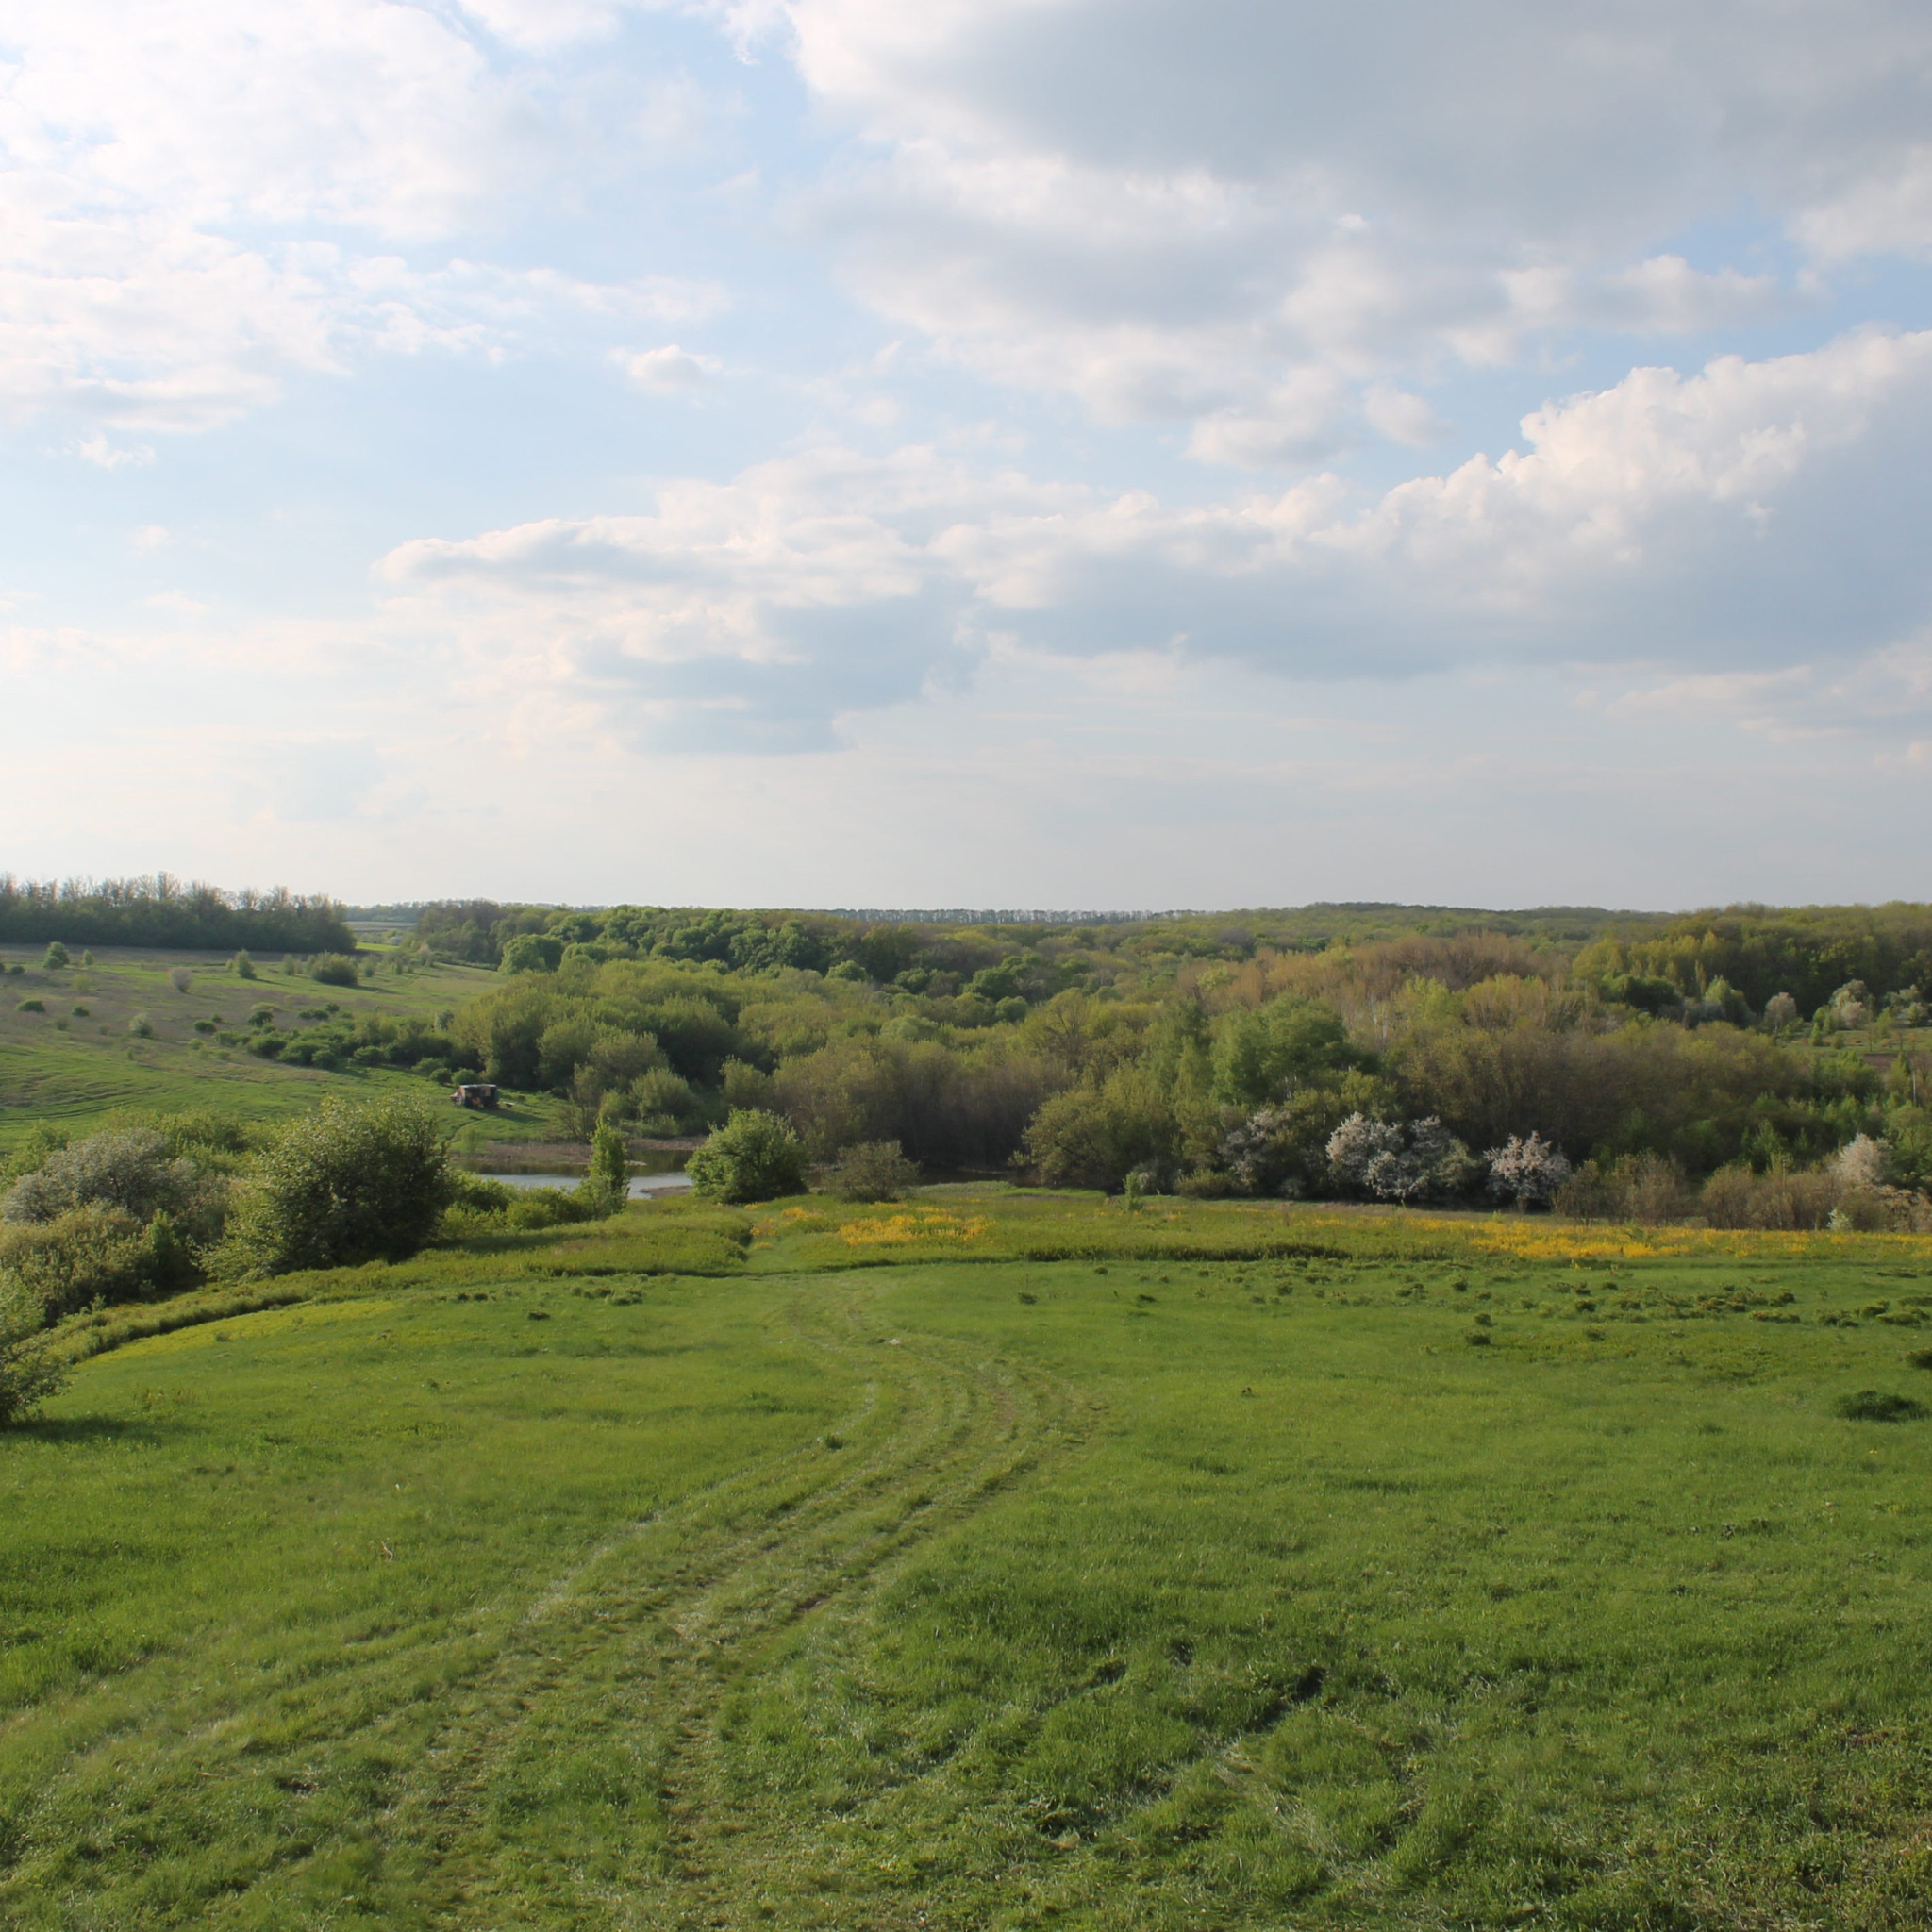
{"x": 1007, "y": 453}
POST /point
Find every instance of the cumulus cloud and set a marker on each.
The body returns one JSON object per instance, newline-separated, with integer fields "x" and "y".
{"x": 1748, "y": 516}
{"x": 199, "y": 197}
{"x": 1235, "y": 214}
{"x": 669, "y": 369}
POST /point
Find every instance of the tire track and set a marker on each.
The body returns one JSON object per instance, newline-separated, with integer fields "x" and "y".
{"x": 583, "y": 1783}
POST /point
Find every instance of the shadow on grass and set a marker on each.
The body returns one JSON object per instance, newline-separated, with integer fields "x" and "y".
{"x": 60, "y": 1431}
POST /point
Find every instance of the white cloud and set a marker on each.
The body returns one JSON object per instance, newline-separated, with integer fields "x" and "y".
{"x": 200, "y": 197}
{"x": 104, "y": 454}
{"x": 1754, "y": 515}
{"x": 670, "y": 369}
{"x": 1212, "y": 214}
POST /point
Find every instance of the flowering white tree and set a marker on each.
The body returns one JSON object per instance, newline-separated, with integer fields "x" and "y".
{"x": 1862, "y": 1162}
{"x": 1527, "y": 1170}
{"x": 1852, "y": 1004}
{"x": 1371, "y": 1155}
{"x": 1356, "y": 1146}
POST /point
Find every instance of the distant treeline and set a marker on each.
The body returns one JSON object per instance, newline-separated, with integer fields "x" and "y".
{"x": 167, "y": 911}
{"x": 1651, "y": 961}
{"x": 885, "y": 946}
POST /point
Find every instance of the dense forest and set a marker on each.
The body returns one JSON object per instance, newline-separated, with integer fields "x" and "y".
{"x": 165, "y": 911}
{"x": 1227, "y": 1054}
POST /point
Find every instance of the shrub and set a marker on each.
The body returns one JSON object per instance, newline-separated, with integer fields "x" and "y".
{"x": 343, "y": 1185}
{"x": 93, "y": 1255}
{"x": 873, "y": 1171}
{"x": 133, "y": 1172}
{"x": 333, "y": 969}
{"x": 1205, "y": 1184}
{"x": 1643, "y": 1188}
{"x": 29, "y": 1371}
{"x": 140, "y": 1027}
{"x": 540, "y": 1207}
{"x": 243, "y": 967}
{"x": 1786, "y": 1197}
{"x": 606, "y": 1186}
{"x": 754, "y": 1157}
{"x": 56, "y": 957}
{"x": 33, "y": 1005}
{"x": 180, "y": 978}
{"x": 1877, "y": 1406}
{"x": 472, "y": 1191}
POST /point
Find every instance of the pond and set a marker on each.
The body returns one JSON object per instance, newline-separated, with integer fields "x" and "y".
{"x": 642, "y": 1186}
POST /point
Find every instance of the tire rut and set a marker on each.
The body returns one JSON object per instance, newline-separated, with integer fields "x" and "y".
{"x": 641, "y": 1660}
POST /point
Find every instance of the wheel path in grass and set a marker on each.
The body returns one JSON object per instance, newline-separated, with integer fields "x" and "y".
{"x": 583, "y": 1782}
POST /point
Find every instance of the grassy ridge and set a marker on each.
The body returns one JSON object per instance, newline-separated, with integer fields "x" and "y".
{"x": 1342, "y": 1586}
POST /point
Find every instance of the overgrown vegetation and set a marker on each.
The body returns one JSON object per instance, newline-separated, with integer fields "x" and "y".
{"x": 1458, "y": 1065}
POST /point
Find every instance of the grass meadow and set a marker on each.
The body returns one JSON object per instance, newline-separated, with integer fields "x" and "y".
{"x": 75, "y": 1063}
{"x": 986, "y": 1561}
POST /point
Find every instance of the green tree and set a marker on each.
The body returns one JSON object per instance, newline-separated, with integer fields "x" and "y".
{"x": 347, "y": 1184}
{"x": 242, "y": 966}
{"x": 754, "y": 1157}
{"x": 606, "y": 1186}
{"x": 56, "y": 957}
{"x": 1263, "y": 1054}
{"x": 1095, "y": 1137}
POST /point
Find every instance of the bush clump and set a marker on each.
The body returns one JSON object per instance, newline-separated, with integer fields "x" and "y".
{"x": 1877, "y": 1406}
{"x": 347, "y": 1184}
{"x": 334, "y": 969}
{"x": 29, "y": 1371}
{"x": 135, "y": 1171}
{"x": 96, "y": 1256}
{"x": 873, "y": 1171}
{"x": 606, "y": 1186}
{"x": 123, "y": 1215}
{"x": 754, "y": 1157}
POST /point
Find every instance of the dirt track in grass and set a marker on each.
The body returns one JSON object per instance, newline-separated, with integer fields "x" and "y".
{"x": 582, "y": 1782}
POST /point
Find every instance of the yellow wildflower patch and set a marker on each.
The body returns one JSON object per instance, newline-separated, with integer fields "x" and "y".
{"x": 905, "y": 1229}
{"x": 1541, "y": 1241}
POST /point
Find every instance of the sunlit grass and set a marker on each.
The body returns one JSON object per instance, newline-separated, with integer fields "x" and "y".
{"x": 1247, "y": 1571}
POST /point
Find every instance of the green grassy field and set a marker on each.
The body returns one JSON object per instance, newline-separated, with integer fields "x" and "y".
{"x": 77, "y": 1062}
{"x": 697, "y": 1568}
